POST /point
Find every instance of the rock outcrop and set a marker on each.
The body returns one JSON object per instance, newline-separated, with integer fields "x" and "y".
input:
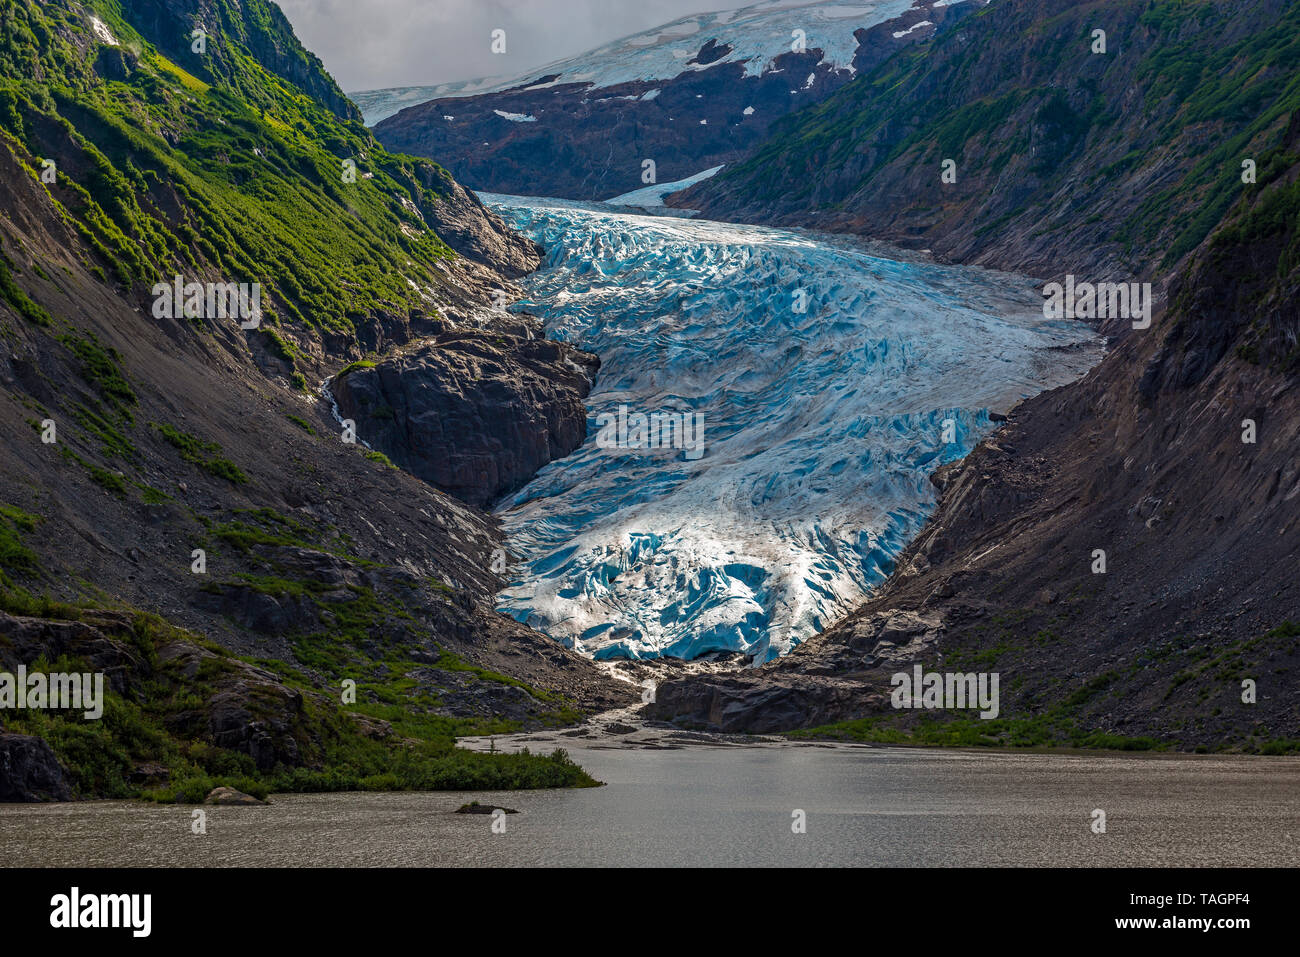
{"x": 462, "y": 221}
{"x": 475, "y": 415}
{"x": 29, "y": 771}
{"x": 229, "y": 797}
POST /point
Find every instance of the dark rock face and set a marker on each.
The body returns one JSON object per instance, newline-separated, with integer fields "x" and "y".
{"x": 248, "y": 709}
{"x": 258, "y": 611}
{"x": 474, "y": 231}
{"x": 114, "y": 64}
{"x": 711, "y": 52}
{"x": 29, "y": 772}
{"x": 474, "y": 415}
{"x": 257, "y": 718}
{"x": 460, "y": 695}
{"x": 331, "y": 578}
{"x": 736, "y": 703}
{"x": 90, "y": 640}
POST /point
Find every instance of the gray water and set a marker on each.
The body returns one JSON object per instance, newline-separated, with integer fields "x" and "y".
{"x": 729, "y": 805}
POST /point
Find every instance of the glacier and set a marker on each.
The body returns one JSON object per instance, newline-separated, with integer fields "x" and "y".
{"x": 832, "y": 377}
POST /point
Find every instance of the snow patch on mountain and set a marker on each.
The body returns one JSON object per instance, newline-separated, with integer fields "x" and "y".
{"x": 914, "y": 26}
{"x": 653, "y": 195}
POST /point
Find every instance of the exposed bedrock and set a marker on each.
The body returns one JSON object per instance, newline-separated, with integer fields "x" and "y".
{"x": 29, "y": 771}
{"x": 475, "y": 415}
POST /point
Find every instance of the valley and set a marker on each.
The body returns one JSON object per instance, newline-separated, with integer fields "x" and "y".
{"x": 327, "y": 443}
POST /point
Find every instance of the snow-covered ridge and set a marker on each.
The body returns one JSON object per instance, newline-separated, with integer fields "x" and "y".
{"x": 755, "y": 34}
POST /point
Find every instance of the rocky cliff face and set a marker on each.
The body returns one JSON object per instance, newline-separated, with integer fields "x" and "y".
{"x": 176, "y": 493}
{"x": 562, "y": 133}
{"x": 473, "y": 230}
{"x": 29, "y": 771}
{"x": 474, "y": 415}
{"x": 1173, "y": 463}
{"x": 1199, "y": 532}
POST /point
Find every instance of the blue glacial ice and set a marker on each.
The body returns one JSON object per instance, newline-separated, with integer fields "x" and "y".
{"x": 821, "y": 426}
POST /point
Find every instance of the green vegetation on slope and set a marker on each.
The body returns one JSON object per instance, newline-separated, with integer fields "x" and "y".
{"x": 241, "y": 162}
{"x": 221, "y": 169}
{"x": 200, "y": 453}
{"x": 389, "y": 739}
{"x": 1043, "y": 126}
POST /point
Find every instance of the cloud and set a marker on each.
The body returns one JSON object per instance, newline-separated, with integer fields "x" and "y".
{"x": 370, "y": 44}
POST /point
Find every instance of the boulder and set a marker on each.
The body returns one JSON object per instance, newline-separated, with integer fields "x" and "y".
{"x": 475, "y": 808}
{"x": 29, "y": 771}
{"x": 229, "y": 797}
{"x": 474, "y": 415}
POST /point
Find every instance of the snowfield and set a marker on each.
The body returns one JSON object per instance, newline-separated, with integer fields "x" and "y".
{"x": 756, "y": 34}
{"x": 653, "y": 195}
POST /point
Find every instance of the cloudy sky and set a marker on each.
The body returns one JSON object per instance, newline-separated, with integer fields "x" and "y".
{"x": 370, "y": 44}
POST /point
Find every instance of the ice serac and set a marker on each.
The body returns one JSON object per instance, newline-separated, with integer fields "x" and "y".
{"x": 831, "y": 381}
{"x": 691, "y": 95}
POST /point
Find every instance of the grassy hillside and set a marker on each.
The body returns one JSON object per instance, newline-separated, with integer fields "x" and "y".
{"x": 1120, "y": 161}
{"x": 214, "y": 165}
{"x": 137, "y": 442}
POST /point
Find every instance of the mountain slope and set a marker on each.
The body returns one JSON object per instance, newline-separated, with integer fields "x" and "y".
{"x": 1176, "y": 456}
{"x": 690, "y": 95}
{"x": 1063, "y": 156}
{"x": 140, "y": 436}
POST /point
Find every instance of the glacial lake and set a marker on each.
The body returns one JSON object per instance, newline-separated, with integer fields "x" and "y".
{"x": 704, "y": 805}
